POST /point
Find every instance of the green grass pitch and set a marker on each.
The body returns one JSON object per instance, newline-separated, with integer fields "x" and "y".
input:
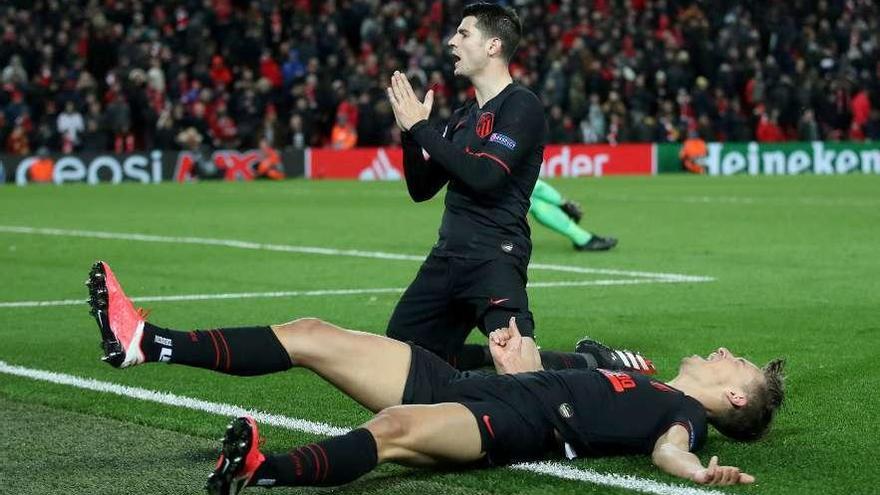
{"x": 795, "y": 263}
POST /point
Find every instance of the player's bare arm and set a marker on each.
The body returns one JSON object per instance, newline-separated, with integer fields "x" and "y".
{"x": 671, "y": 454}
{"x": 513, "y": 353}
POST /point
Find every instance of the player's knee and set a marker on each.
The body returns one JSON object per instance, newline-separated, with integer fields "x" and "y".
{"x": 296, "y": 335}
{"x": 301, "y": 326}
{"x": 391, "y": 428}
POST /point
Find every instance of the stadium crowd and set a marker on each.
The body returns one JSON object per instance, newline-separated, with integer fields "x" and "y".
{"x": 124, "y": 75}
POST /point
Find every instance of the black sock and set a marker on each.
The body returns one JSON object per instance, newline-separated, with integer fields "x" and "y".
{"x": 236, "y": 351}
{"x": 471, "y": 356}
{"x": 555, "y": 360}
{"x": 331, "y": 462}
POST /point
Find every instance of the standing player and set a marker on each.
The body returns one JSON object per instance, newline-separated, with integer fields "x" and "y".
{"x": 562, "y": 216}
{"x": 489, "y": 155}
{"x": 430, "y": 414}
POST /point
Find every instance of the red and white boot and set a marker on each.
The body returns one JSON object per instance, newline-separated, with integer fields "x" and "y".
{"x": 121, "y": 325}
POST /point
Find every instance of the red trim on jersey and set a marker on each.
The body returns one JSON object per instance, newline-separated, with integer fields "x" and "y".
{"x": 662, "y": 386}
{"x": 487, "y": 422}
{"x": 491, "y": 157}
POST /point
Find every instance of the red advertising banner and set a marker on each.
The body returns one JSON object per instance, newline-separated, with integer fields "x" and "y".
{"x": 360, "y": 163}
{"x": 559, "y": 161}
{"x": 596, "y": 160}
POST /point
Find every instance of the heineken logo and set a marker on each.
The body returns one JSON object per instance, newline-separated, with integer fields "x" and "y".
{"x": 793, "y": 158}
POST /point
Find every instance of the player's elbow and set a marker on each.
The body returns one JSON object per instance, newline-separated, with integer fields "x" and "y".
{"x": 419, "y": 196}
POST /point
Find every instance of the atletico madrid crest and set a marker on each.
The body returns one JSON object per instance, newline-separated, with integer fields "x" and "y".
{"x": 484, "y": 124}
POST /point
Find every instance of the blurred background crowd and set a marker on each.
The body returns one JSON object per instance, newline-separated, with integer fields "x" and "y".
{"x": 126, "y": 75}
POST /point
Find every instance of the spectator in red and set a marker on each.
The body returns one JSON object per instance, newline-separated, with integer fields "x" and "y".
{"x": 768, "y": 130}
{"x": 17, "y": 143}
{"x": 223, "y": 128}
{"x": 220, "y": 74}
{"x": 270, "y": 70}
{"x": 861, "y": 107}
{"x": 71, "y": 53}
{"x": 349, "y": 108}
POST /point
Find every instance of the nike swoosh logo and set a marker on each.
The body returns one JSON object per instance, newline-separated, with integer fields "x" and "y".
{"x": 495, "y": 302}
{"x": 487, "y": 421}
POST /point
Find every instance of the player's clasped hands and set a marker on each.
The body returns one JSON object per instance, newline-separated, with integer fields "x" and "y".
{"x": 408, "y": 110}
{"x": 714, "y": 474}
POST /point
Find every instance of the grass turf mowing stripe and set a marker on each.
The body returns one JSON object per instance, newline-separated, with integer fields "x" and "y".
{"x": 239, "y": 244}
{"x": 547, "y": 468}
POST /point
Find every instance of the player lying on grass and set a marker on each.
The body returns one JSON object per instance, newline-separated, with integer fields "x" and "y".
{"x": 430, "y": 414}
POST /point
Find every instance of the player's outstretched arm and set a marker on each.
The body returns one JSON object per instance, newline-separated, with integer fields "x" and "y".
{"x": 513, "y": 353}
{"x": 671, "y": 454}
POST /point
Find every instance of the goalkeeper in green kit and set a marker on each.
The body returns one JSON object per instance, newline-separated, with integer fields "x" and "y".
{"x": 561, "y": 215}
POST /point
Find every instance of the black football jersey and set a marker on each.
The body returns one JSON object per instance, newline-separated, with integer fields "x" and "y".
{"x": 490, "y": 157}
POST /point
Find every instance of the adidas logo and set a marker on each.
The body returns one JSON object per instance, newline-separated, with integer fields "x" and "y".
{"x": 380, "y": 169}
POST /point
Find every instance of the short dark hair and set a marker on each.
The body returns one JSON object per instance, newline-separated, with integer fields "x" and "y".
{"x": 497, "y": 21}
{"x": 752, "y": 421}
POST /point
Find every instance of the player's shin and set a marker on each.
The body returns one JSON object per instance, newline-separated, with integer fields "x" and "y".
{"x": 246, "y": 351}
{"x": 331, "y": 462}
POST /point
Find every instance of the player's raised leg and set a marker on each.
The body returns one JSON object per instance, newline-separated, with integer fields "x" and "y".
{"x": 128, "y": 339}
{"x": 420, "y": 435}
{"x": 370, "y": 368}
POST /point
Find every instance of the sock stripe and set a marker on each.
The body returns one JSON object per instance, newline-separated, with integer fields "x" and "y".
{"x": 225, "y": 347}
{"x": 326, "y": 460}
{"x": 216, "y": 349}
{"x": 317, "y": 461}
{"x": 565, "y": 361}
{"x": 295, "y": 456}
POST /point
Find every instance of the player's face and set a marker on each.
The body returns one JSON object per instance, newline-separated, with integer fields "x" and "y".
{"x": 469, "y": 48}
{"x": 722, "y": 367}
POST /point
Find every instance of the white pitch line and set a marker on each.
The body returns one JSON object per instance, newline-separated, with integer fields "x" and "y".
{"x": 628, "y": 482}
{"x": 317, "y": 428}
{"x": 311, "y": 293}
{"x": 209, "y": 297}
{"x": 238, "y": 244}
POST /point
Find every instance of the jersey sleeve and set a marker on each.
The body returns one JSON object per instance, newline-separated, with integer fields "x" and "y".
{"x": 519, "y": 127}
{"x": 693, "y": 418}
{"x": 423, "y": 177}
